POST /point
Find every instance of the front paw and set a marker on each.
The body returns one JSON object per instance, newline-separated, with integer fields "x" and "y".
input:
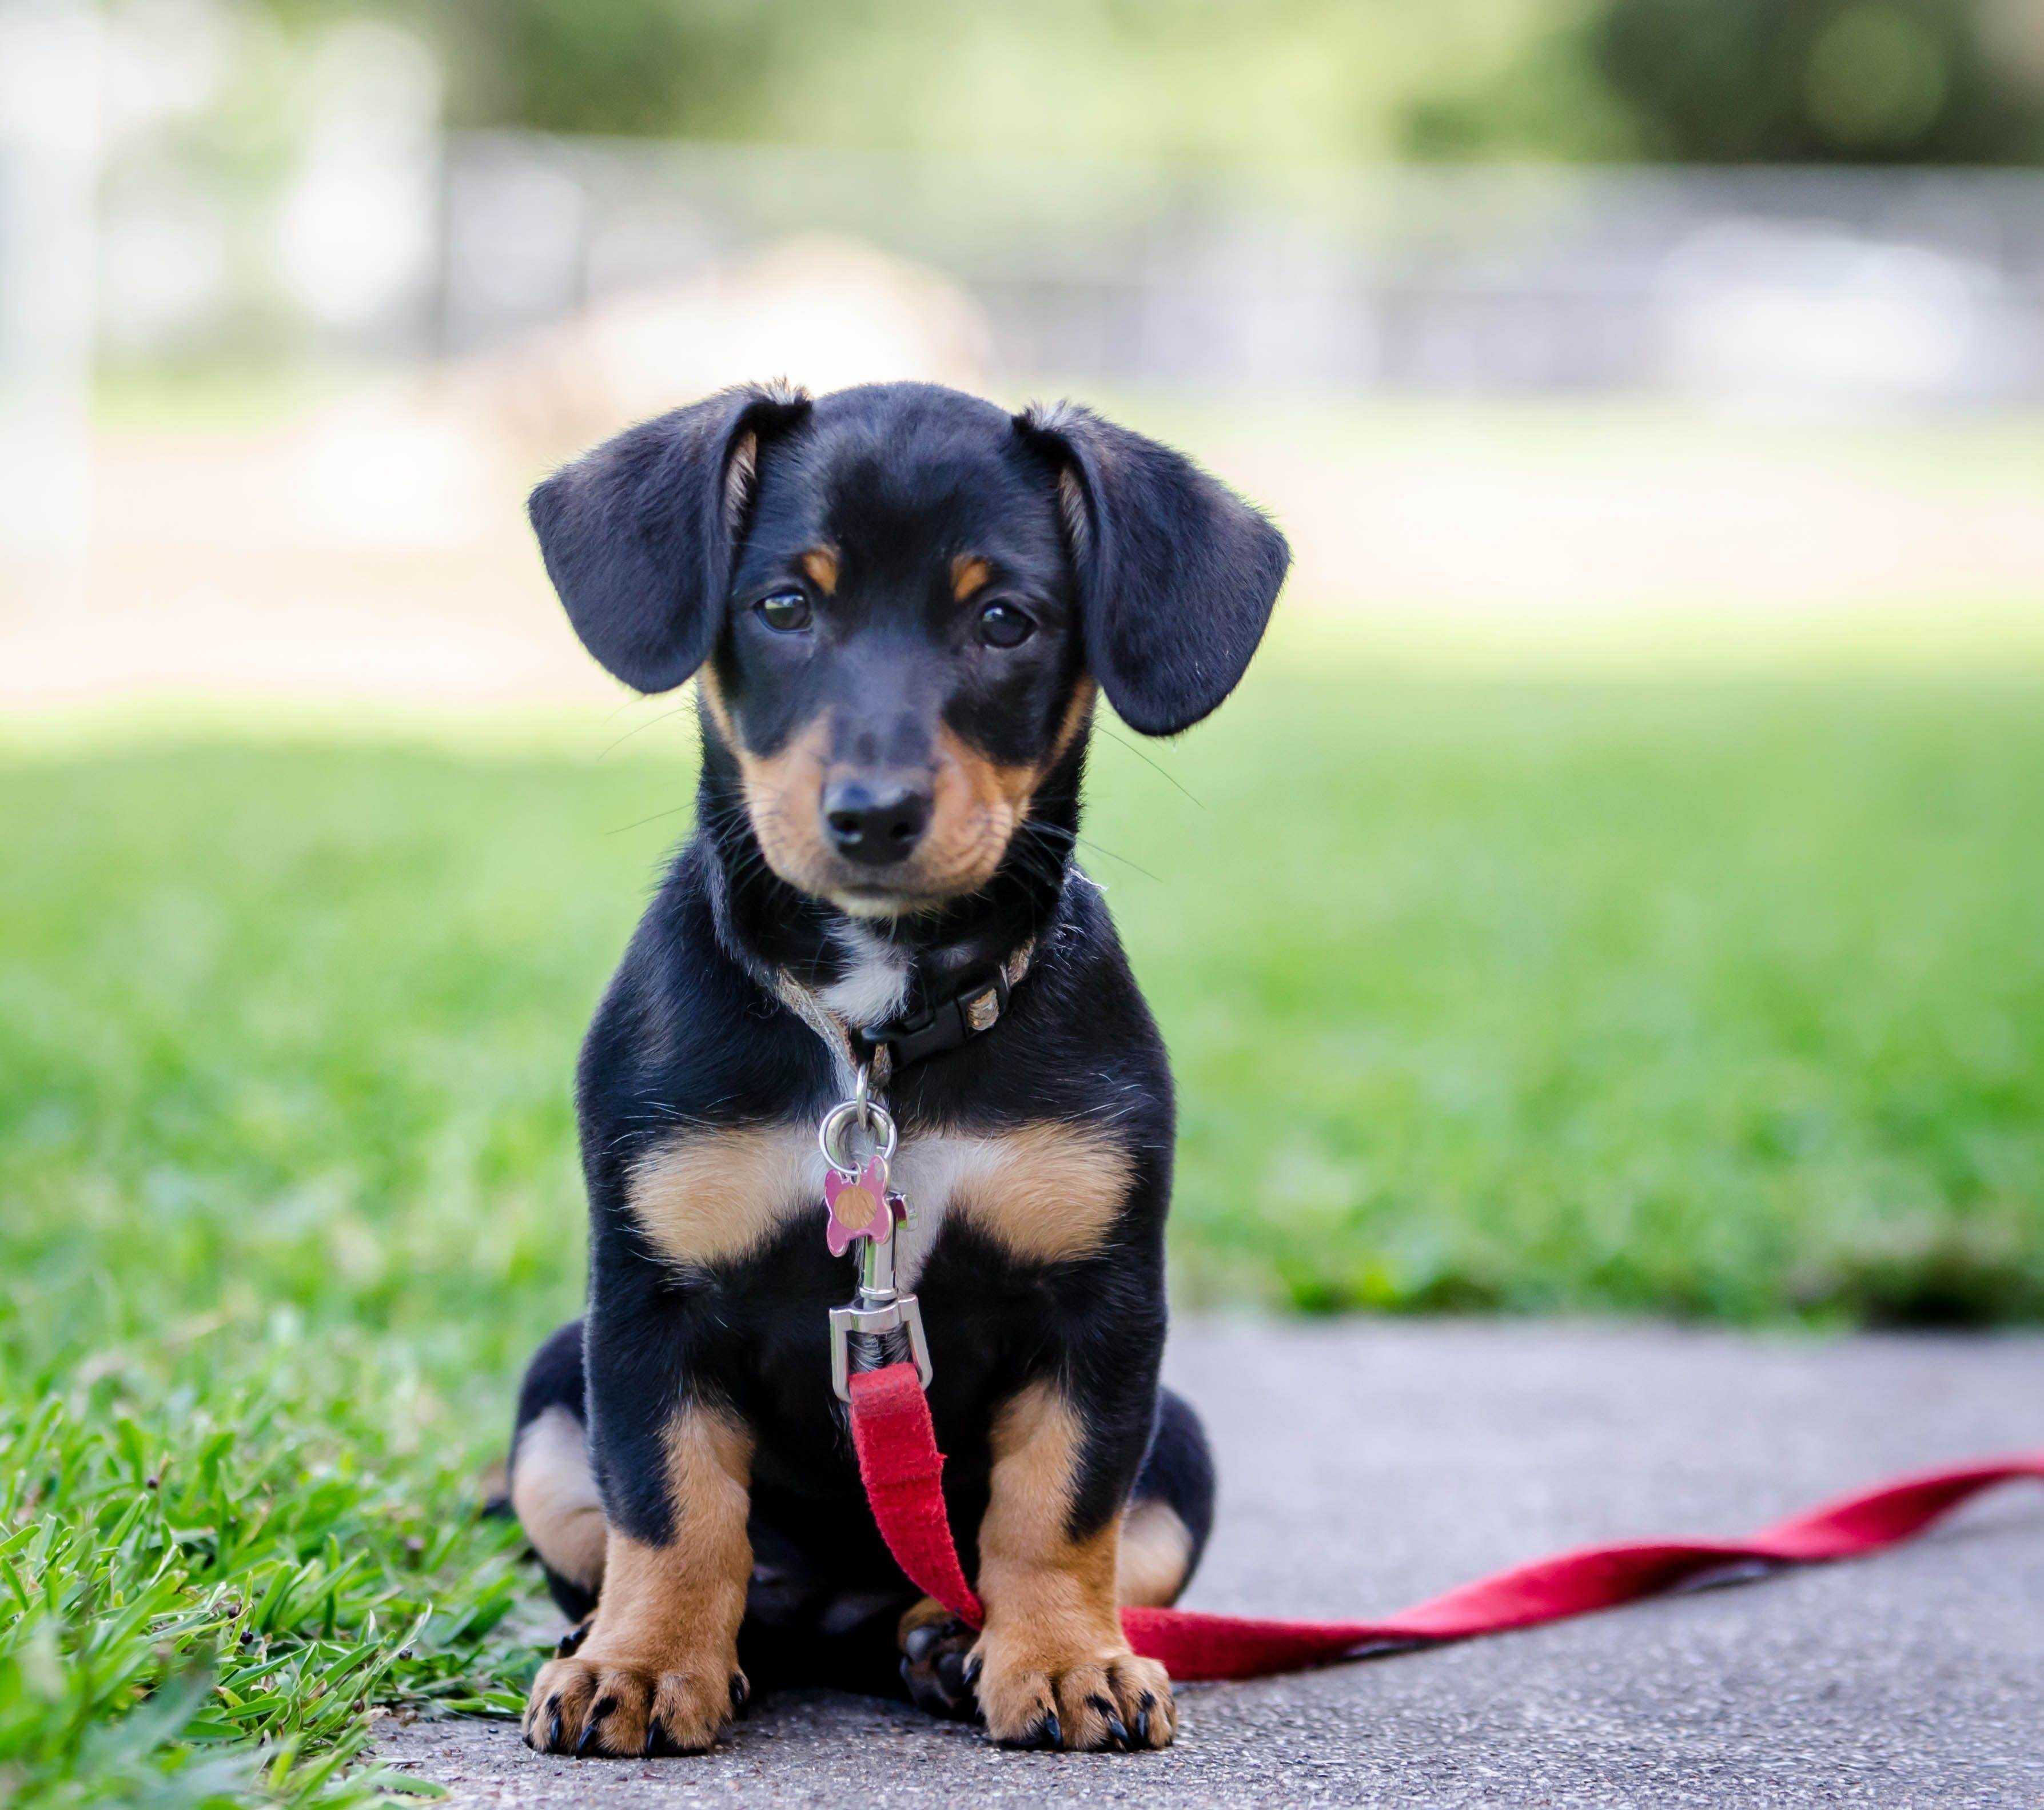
{"x": 1119, "y": 1701}
{"x": 585, "y": 1706}
{"x": 935, "y": 1656}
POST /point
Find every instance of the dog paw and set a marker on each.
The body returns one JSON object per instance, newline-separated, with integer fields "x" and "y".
{"x": 935, "y": 1645}
{"x": 586, "y": 1707}
{"x": 1120, "y": 1702}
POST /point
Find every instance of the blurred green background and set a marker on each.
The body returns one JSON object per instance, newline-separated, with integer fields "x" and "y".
{"x": 1743, "y": 81}
{"x": 1614, "y": 890}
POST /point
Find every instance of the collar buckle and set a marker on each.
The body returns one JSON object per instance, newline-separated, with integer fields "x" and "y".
{"x": 945, "y": 1026}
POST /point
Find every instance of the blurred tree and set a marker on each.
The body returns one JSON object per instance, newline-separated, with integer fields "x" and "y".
{"x": 1822, "y": 81}
{"x": 1707, "y": 80}
{"x": 634, "y": 66}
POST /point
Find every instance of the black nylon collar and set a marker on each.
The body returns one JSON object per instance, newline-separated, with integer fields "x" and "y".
{"x": 977, "y": 1004}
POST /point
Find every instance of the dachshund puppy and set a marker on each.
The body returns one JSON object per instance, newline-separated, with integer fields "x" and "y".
{"x": 900, "y": 605}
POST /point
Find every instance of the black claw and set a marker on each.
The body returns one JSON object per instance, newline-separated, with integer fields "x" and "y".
{"x": 571, "y": 1641}
{"x": 652, "y": 1736}
{"x": 950, "y": 1674}
{"x": 1143, "y": 1724}
{"x": 741, "y": 1691}
{"x": 1046, "y": 1733}
{"x": 1105, "y": 1710}
{"x": 554, "y": 1731}
{"x": 974, "y": 1665}
{"x": 593, "y": 1728}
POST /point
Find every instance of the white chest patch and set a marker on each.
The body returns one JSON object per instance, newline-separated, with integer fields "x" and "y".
{"x": 928, "y": 1172}
{"x": 876, "y": 977}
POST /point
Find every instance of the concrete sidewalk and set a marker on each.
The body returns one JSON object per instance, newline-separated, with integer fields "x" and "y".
{"x": 1365, "y": 1466}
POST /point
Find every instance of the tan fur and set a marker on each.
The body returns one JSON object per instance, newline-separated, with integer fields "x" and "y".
{"x": 783, "y": 793}
{"x": 1072, "y": 507}
{"x": 664, "y": 1646}
{"x": 820, "y": 565}
{"x": 980, "y": 802}
{"x": 1053, "y": 1643}
{"x": 740, "y": 475}
{"x": 1049, "y": 1192}
{"x": 1156, "y": 1550}
{"x": 706, "y": 1196}
{"x": 969, "y": 573}
{"x": 923, "y": 1612}
{"x": 553, "y": 1493}
{"x": 976, "y": 803}
{"x": 1078, "y": 714}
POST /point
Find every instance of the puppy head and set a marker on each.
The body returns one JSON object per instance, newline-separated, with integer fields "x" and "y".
{"x": 901, "y": 600}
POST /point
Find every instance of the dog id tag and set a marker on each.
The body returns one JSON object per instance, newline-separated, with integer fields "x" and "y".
{"x": 858, "y": 1203}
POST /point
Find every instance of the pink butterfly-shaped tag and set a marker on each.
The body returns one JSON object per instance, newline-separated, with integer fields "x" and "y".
{"x": 859, "y": 1206}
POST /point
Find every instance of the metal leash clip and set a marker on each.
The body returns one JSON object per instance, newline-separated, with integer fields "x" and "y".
{"x": 863, "y": 1211}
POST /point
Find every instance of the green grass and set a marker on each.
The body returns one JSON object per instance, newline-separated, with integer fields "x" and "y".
{"x": 1717, "y": 997}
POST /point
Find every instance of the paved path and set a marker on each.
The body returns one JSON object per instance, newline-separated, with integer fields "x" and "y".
{"x": 1364, "y": 1466}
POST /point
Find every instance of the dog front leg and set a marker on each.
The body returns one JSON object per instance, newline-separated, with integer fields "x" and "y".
{"x": 1052, "y": 1668}
{"x": 657, "y": 1671}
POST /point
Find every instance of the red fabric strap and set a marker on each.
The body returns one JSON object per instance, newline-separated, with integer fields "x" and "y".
{"x": 900, "y": 1464}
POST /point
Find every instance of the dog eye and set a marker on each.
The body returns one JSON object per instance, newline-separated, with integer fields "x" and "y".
{"x": 1003, "y": 625}
{"x": 787, "y": 612}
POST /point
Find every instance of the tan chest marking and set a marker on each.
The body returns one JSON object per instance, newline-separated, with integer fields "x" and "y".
{"x": 1047, "y": 1193}
{"x": 709, "y": 1197}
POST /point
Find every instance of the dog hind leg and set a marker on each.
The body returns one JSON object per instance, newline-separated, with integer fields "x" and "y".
{"x": 552, "y": 1487}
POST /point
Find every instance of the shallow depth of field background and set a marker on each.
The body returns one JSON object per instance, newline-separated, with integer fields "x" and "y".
{"x": 1615, "y": 889}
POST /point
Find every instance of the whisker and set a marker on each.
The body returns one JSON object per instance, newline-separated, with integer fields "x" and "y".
{"x": 1149, "y": 761}
{"x": 642, "y": 823}
{"x": 635, "y": 729}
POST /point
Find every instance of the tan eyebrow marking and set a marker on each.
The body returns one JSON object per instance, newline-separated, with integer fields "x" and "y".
{"x": 968, "y": 572}
{"x": 821, "y": 564}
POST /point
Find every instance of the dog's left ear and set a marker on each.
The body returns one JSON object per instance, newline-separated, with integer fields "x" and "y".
{"x": 1177, "y": 574}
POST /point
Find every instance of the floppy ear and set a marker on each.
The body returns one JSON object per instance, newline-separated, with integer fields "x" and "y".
{"x": 1176, "y": 574}
{"x": 638, "y": 535}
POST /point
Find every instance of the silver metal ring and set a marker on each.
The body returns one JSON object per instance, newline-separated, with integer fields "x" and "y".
{"x": 879, "y": 1123}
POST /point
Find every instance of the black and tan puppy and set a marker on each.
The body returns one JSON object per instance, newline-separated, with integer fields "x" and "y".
{"x": 899, "y": 602}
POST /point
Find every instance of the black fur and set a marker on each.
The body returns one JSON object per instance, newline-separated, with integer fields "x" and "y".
{"x": 637, "y": 535}
{"x": 1176, "y": 576}
{"x": 1160, "y": 592}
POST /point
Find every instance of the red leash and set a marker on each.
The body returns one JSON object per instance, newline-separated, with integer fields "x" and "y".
{"x": 900, "y": 1466}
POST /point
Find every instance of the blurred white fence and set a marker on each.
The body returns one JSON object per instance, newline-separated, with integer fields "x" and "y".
{"x": 1911, "y": 287}
{"x": 1916, "y": 286}
{"x": 49, "y": 144}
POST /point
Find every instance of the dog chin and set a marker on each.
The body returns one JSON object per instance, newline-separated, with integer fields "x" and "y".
{"x": 873, "y": 902}
{"x": 904, "y": 897}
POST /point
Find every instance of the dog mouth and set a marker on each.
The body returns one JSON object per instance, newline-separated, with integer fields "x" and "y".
{"x": 879, "y": 896}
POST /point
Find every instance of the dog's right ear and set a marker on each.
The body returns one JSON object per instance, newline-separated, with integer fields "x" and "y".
{"x": 639, "y": 535}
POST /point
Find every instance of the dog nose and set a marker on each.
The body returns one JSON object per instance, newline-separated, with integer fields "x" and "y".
{"x": 875, "y": 822}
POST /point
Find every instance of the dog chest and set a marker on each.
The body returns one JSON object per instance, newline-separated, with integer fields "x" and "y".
{"x": 1047, "y": 1193}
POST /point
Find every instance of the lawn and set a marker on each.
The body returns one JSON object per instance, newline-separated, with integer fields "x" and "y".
{"x": 1680, "y": 994}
